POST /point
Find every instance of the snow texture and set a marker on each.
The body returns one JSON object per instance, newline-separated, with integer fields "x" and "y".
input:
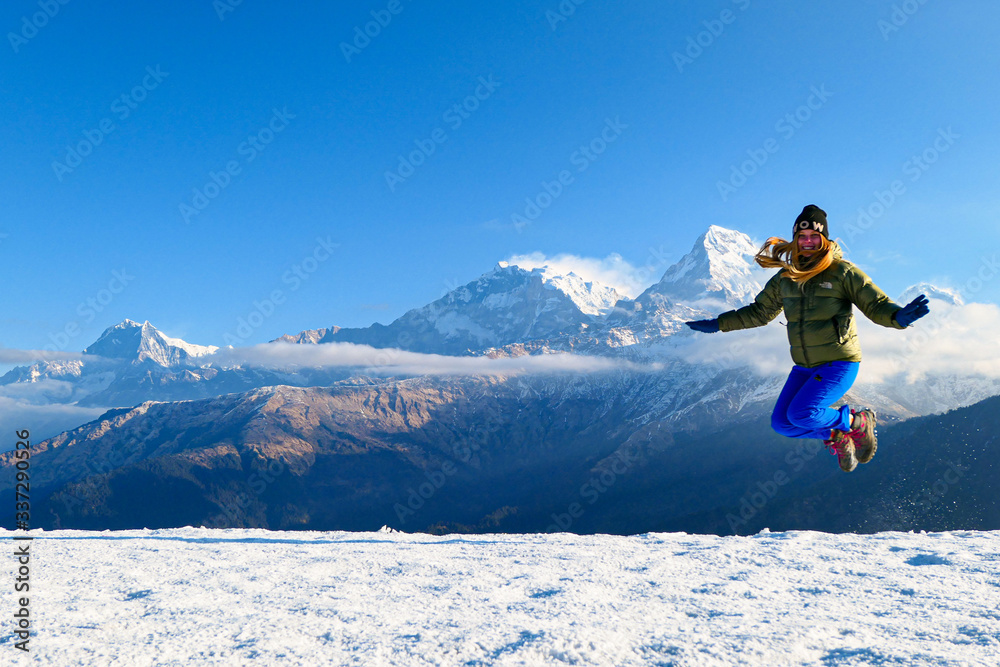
{"x": 236, "y": 597}
{"x": 591, "y": 297}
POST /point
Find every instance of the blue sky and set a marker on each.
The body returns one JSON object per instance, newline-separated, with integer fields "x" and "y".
{"x": 670, "y": 98}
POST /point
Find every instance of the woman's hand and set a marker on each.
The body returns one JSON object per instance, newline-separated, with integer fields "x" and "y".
{"x": 704, "y": 326}
{"x": 912, "y": 311}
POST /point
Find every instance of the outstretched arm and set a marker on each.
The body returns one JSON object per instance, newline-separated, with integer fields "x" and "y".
{"x": 872, "y": 301}
{"x": 764, "y": 308}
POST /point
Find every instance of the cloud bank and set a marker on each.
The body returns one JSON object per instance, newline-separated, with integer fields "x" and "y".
{"x": 41, "y": 421}
{"x": 10, "y": 356}
{"x": 953, "y": 340}
{"x": 382, "y": 361}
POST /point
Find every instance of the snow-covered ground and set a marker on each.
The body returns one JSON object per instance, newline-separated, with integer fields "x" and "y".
{"x": 239, "y": 597}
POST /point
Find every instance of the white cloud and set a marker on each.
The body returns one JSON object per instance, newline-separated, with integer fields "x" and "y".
{"x": 953, "y": 340}
{"x": 10, "y": 356}
{"x": 764, "y": 349}
{"x": 613, "y": 271}
{"x": 389, "y": 361}
{"x": 41, "y": 421}
{"x": 41, "y": 392}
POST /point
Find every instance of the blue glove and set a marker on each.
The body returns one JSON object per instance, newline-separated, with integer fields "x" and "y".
{"x": 704, "y": 326}
{"x": 912, "y": 311}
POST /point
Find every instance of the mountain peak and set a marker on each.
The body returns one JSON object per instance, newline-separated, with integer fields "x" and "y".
{"x": 139, "y": 342}
{"x": 950, "y": 296}
{"x": 719, "y": 266}
{"x": 590, "y": 296}
{"x": 723, "y": 241}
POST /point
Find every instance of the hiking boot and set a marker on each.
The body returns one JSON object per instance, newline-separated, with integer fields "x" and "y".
{"x": 863, "y": 434}
{"x": 842, "y": 445}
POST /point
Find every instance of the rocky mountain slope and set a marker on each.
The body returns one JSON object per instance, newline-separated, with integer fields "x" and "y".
{"x": 504, "y": 454}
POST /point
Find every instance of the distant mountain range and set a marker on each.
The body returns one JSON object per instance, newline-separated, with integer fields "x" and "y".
{"x": 191, "y": 437}
{"x": 482, "y": 454}
{"x": 510, "y": 306}
{"x": 508, "y": 311}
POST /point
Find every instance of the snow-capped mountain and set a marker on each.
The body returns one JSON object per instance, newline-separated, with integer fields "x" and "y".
{"x": 719, "y": 268}
{"x": 591, "y": 297}
{"x": 137, "y": 343}
{"x": 518, "y": 308}
{"x": 504, "y": 306}
{"x": 131, "y": 363}
{"x": 308, "y": 336}
{"x": 949, "y": 296}
{"x": 127, "y": 343}
{"x": 508, "y": 311}
{"x": 718, "y": 274}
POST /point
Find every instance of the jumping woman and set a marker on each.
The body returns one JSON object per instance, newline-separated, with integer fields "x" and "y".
{"x": 816, "y": 288}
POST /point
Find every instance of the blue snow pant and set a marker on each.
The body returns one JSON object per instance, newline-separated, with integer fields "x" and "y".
{"x": 803, "y": 411}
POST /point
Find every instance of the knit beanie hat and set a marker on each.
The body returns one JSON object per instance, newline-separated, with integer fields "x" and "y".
{"x": 814, "y": 218}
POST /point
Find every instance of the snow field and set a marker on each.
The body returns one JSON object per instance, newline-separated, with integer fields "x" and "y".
{"x": 237, "y": 597}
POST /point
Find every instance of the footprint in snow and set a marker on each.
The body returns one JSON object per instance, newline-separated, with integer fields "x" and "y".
{"x": 545, "y": 594}
{"x": 138, "y": 595}
{"x": 928, "y": 559}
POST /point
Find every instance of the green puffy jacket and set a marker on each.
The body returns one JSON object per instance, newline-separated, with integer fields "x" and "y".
{"x": 821, "y": 324}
